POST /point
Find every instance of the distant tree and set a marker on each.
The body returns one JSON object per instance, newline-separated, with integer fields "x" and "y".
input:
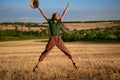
{"x": 0, "y": 27}
{"x": 22, "y": 25}
{"x": 112, "y": 37}
{"x": 6, "y": 24}
{"x": 16, "y": 29}
{"x": 29, "y": 28}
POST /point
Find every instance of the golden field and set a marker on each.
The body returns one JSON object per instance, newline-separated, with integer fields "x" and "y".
{"x": 71, "y": 26}
{"x": 84, "y": 26}
{"x": 95, "y": 61}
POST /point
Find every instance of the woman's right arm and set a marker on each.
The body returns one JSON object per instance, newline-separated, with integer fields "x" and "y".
{"x": 43, "y": 13}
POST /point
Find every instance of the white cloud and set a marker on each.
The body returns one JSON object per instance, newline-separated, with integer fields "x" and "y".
{"x": 31, "y": 15}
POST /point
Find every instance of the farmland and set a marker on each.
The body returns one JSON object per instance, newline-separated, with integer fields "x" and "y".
{"x": 71, "y": 26}
{"x": 95, "y": 60}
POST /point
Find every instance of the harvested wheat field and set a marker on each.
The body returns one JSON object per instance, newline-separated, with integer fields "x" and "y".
{"x": 84, "y": 26}
{"x": 71, "y": 26}
{"x": 96, "y": 61}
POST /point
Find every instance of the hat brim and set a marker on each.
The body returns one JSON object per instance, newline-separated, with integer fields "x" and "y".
{"x": 34, "y": 4}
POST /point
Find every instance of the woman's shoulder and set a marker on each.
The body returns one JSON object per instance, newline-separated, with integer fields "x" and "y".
{"x": 49, "y": 20}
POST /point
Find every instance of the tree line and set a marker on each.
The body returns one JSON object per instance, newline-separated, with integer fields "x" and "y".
{"x": 98, "y": 34}
{"x": 109, "y": 34}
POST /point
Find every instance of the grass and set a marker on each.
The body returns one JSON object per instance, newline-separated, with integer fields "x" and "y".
{"x": 95, "y": 61}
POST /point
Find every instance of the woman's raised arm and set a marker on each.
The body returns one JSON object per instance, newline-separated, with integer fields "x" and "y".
{"x": 43, "y": 13}
{"x": 65, "y": 11}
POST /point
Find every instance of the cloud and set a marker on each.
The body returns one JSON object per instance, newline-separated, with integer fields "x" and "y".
{"x": 33, "y": 15}
{"x": 93, "y": 14}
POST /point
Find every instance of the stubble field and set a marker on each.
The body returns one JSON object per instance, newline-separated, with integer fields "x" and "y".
{"x": 95, "y": 61}
{"x": 71, "y": 26}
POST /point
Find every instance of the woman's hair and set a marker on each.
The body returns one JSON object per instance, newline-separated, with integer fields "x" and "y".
{"x": 53, "y": 16}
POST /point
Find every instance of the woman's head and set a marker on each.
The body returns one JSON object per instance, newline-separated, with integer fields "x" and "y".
{"x": 56, "y": 16}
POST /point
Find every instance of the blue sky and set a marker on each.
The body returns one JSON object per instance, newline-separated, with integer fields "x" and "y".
{"x": 80, "y": 10}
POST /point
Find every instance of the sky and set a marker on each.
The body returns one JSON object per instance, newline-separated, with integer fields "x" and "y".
{"x": 80, "y": 10}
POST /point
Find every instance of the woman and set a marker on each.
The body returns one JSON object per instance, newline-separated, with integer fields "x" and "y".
{"x": 55, "y": 25}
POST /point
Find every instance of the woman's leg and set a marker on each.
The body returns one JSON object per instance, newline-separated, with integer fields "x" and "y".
{"x": 60, "y": 44}
{"x": 48, "y": 48}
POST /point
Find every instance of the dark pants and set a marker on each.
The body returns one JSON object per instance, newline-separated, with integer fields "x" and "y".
{"x": 55, "y": 41}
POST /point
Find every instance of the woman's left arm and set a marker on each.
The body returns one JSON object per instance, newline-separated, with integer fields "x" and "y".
{"x": 66, "y": 30}
{"x": 65, "y": 11}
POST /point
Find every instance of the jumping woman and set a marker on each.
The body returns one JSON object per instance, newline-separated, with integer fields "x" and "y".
{"x": 55, "y": 26}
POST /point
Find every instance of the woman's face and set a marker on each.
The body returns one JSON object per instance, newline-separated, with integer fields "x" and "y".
{"x": 56, "y": 16}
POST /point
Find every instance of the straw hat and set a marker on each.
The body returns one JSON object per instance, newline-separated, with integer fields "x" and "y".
{"x": 34, "y": 4}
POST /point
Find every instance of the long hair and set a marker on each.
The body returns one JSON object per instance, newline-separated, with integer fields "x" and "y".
{"x": 53, "y": 16}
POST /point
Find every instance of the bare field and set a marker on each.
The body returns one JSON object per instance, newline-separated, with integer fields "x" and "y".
{"x": 71, "y": 26}
{"x": 96, "y": 61}
{"x": 81, "y": 26}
